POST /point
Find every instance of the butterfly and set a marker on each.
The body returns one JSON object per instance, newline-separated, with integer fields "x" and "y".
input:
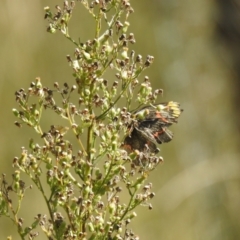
{"x": 150, "y": 127}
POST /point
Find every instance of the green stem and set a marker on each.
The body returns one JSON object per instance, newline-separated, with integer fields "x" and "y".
{"x": 128, "y": 209}
{"x": 89, "y": 147}
{"x": 98, "y": 24}
{"x": 117, "y": 99}
{"x": 15, "y": 220}
{"x": 110, "y": 25}
{"x": 104, "y": 180}
{"x": 74, "y": 130}
{"x": 72, "y": 40}
{"x": 39, "y": 186}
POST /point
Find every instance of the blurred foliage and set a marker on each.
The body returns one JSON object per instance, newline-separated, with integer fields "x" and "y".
{"x": 198, "y": 186}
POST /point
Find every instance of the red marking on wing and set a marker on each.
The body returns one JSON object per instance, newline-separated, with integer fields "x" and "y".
{"x": 156, "y": 134}
{"x": 158, "y": 115}
{"x": 127, "y": 147}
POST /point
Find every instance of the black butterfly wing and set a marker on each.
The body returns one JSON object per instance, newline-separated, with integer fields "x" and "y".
{"x": 166, "y": 113}
{"x": 142, "y": 140}
{"x": 156, "y": 131}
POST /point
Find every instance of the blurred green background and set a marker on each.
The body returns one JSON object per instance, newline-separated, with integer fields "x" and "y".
{"x": 195, "y": 45}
